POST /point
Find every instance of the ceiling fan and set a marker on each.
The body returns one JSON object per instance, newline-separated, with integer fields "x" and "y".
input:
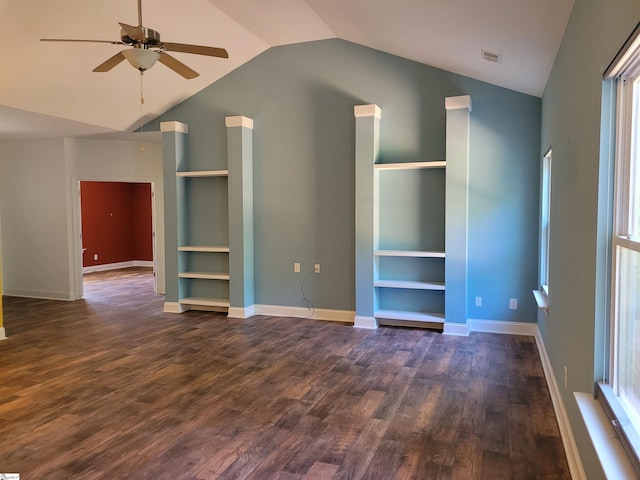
{"x": 147, "y": 49}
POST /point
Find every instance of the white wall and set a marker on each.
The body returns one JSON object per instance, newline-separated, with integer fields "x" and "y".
{"x": 39, "y": 207}
{"x": 34, "y": 219}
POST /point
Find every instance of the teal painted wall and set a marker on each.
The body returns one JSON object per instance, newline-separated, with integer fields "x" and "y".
{"x": 573, "y": 106}
{"x": 301, "y": 98}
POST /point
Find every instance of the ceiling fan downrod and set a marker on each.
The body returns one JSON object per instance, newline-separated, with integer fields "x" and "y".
{"x": 139, "y": 13}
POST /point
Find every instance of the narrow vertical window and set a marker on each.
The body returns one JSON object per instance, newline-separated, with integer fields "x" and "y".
{"x": 545, "y": 223}
{"x": 541, "y": 294}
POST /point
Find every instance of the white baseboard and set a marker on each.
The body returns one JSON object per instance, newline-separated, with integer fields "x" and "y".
{"x": 242, "y": 312}
{"x": 498, "y": 326}
{"x": 40, "y": 295}
{"x": 173, "y": 307}
{"x": 342, "y": 316}
{"x": 360, "y": 321}
{"x": 3, "y": 335}
{"x": 117, "y": 266}
{"x": 490, "y": 326}
{"x": 566, "y": 433}
{"x": 458, "y": 329}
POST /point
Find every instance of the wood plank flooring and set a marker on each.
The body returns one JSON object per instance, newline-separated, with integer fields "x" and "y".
{"x": 111, "y": 387}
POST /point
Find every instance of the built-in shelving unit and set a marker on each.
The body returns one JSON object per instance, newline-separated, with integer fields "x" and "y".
{"x": 200, "y": 268}
{"x": 213, "y": 245}
{"x": 402, "y": 265}
{"x": 423, "y": 301}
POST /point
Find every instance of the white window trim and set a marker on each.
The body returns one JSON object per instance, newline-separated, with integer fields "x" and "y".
{"x": 542, "y": 294}
{"x": 545, "y": 235}
{"x": 624, "y": 69}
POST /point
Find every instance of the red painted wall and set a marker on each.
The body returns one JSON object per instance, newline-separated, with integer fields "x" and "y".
{"x": 116, "y": 222}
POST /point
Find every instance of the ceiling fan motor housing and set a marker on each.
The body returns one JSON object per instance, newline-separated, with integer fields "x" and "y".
{"x": 147, "y": 37}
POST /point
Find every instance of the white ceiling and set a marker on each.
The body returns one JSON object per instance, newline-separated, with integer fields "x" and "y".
{"x": 49, "y": 89}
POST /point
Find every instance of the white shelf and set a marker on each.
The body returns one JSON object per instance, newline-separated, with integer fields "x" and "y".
{"x": 409, "y": 285}
{"x": 204, "y": 302}
{"x": 204, "y": 173}
{"x": 410, "y": 316}
{"x": 203, "y": 248}
{"x": 204, "y": 275}
{"x": 409, "y": 253}
{"x": 409, "y": 165}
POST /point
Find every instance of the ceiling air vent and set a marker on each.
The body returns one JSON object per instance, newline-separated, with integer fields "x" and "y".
{"x": 490, "y": 56}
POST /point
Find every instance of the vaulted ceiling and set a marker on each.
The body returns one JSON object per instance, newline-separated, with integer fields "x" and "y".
{"x": 49, "y": 89}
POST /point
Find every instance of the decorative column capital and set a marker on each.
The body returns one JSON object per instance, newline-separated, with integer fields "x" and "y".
{"x": 174, "y": 127}
{"x": 239, "y": 121}
{"x": 371, "y": 110}
{"x": 457, "y": 103}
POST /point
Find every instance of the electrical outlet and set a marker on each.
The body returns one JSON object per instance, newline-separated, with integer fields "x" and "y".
{"x": 296, "y": 267}
{"x": 478, "y": 301}
{"x": 566, "y": 377}
{"x": 513, "y": 303}
{"x": 316, "y": 268}
{"x": 95, "y": 256}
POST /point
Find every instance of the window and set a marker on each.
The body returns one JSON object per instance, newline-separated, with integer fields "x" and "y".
{"x": 542, "y": 294}
{"x": 620, "y": 394}
{"x": 545, "y": 224}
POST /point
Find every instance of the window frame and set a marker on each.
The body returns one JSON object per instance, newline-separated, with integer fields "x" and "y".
{"x": 545, "y": 220}
{"x": 623, "y": 71}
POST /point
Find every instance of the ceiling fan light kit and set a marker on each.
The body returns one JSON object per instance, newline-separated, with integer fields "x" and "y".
{"x": 141, "y": 56}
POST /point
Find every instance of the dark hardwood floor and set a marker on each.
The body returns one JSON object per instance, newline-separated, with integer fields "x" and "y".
{"x": 111, "y": 387}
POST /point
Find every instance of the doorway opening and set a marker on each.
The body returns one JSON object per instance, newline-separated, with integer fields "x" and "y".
{"x": 117, "y": 233}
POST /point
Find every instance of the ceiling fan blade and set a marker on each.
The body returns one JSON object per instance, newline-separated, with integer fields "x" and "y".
{"x": 109, "y": 64}
{"x": 177, "y": 66}
{"x": 112, "y": 42}
{"x": 197, "y": 49}
{"x": 135, "y": 33}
